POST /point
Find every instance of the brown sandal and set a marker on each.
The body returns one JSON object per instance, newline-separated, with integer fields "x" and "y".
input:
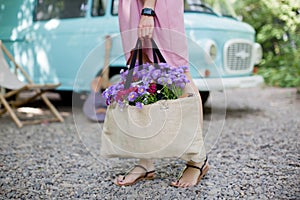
{"x": 149, "y": 175}
{"x": 203, "y": 170}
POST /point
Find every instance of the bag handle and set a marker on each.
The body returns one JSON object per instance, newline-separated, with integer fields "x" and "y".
{"x": 136, "y": 52}
{"x": 156, "y": 53}
{"x": 139, "y": 52}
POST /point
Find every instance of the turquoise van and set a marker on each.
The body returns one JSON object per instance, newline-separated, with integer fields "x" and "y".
{"x": 63, "y": 41}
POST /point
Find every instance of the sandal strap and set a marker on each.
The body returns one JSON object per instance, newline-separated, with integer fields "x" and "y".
{"x": 147, "y": 173}
{"x": 205, "y": 162}
{"x": 196, "y": 167}
{"x": 142, "y": 167}
{"x": 193, "y": 166}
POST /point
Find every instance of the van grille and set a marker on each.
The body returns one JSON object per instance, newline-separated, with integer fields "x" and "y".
{"x": 238, "y": 56}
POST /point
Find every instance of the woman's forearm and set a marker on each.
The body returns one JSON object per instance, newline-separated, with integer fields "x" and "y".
{"x": 146, "y": 25}
{"x": 149, "y": 4}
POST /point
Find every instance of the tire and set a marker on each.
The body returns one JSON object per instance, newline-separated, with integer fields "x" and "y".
{"x": 68, "y": 98}
{"x": 204, "y": 96}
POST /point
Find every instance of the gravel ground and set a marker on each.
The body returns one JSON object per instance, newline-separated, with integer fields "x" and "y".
{"x": 253, "y": 154}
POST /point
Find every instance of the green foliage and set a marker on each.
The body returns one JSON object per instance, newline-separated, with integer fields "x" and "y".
{"x": 277, "y": 24}
{"x": 282, "y": 77}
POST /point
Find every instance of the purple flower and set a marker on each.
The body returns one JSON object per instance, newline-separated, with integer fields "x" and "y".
{"x": 113, "y": 90}
{"x": 182, "y": 85}
{"x": 143, "y": 73}
{"x": 105, "y": 94}
{"x": 177, "y": 80}
{"x": 164, "y": 65}
{"x": 163, "y": 80}
{"x": 146, "y": 80}
{"x": 173, "y": 77}
{"x": 185, "y": 68}
{"x": 120, "y": 87}
{"x": 132, "y": 96}
{"x": 166, "y": 75}
{"x": 124, "y": 74}
{"x": 142, "y": 90}
{"x": 156, "y": 73}
{"x": 150, "y": 68}
{"x": 146, "y": 66}
{"x": 139, "y": 105}
{"x": 169, "y": 81}
{"x": 172, "y": 68}
{"x": 180, "y": 70}
{"x": 107, "y": 101}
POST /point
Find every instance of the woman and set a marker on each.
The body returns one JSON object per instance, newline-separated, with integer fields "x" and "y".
{"x": 163, "y": 21}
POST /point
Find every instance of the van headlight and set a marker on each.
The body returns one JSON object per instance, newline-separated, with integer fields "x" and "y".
{"x": 211, "y": 51}
{"x": 257, "y": 53}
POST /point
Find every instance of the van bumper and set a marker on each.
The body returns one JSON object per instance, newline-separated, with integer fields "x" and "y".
{"x": 211, "y": 84}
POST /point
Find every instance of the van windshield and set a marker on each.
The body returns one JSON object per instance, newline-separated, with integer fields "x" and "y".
{"x": 59, "y": 9}
{"x": 218, "y": 7}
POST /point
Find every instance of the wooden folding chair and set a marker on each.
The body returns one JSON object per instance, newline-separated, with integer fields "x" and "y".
{"x": 10, "y": 81}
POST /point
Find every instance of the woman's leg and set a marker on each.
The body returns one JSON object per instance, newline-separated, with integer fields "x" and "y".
{"x": 190, "y": 175}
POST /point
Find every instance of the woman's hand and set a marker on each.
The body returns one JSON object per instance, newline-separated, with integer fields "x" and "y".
{"x": 146, "y": 27}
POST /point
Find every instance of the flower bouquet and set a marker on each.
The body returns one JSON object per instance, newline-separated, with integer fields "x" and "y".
{"x": 149, "y": 85}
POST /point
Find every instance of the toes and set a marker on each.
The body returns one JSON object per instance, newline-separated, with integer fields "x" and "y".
{"x": 175, "y": 183}
{"x": 181, "y": 184}
{"x": 119, "y": 180}
{"x": 184, "y": 185}
{"x": 116, "y": 181}
{"x": 188, "y": 185}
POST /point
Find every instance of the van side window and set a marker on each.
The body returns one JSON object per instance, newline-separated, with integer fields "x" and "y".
{"x": 59, "y": 9}
{"x": 98, "y": 8}
{"x": 114, "y": 7}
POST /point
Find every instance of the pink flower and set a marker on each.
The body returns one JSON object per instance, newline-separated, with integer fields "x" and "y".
{"x": 152, "y": 88}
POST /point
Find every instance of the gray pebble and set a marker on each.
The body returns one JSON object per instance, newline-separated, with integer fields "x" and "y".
{"x": 256, "y": 156}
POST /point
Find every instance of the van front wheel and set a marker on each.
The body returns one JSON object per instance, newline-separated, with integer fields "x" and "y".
{"x": 204, "y": 96}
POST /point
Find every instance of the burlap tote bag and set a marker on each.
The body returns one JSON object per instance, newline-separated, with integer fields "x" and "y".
{"x": 167, "y": 128}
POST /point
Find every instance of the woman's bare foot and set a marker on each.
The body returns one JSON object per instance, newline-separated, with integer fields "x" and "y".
{"x": 191, "y": 175}
{"x": 144, "y": 170}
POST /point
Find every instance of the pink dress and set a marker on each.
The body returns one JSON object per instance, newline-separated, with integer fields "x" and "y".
{"x": 169, "y": 33}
